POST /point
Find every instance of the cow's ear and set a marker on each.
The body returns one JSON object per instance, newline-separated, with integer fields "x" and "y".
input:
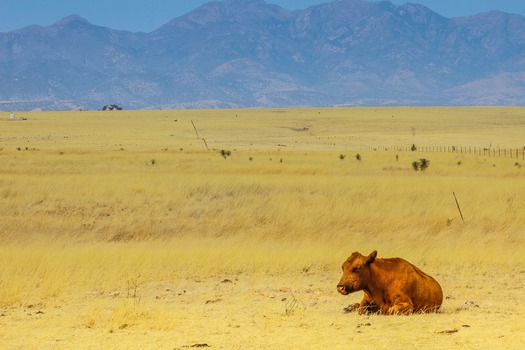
{"x": 371, "y": 257}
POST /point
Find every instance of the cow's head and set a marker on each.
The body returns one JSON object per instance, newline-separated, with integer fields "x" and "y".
{"x": 356, "y": 273}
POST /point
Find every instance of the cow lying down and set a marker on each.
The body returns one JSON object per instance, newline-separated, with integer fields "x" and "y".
{"x": 392, "y": 286}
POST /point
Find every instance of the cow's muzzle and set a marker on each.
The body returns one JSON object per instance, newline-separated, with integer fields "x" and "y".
{"x": 344, "y": 289}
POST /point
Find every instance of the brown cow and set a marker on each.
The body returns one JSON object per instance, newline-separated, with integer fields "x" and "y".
{"x": 391, "y": 286}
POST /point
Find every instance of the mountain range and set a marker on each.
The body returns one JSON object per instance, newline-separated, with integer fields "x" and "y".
{"x": 249, "y": 53}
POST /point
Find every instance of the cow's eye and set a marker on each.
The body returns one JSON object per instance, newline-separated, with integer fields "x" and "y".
{"x": 355, "y": 269}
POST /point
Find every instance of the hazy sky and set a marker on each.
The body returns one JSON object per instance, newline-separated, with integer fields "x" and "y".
{"x": 148, "y": 15}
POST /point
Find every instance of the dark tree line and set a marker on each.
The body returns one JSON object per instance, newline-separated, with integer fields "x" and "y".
{"x": 111, "y": 108}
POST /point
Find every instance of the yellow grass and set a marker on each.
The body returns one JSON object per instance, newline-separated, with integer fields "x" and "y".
{"x": 121, "y": 230}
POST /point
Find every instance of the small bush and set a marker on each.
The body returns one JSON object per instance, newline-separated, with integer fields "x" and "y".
{"x": 424, "y": 164}
{"x": 421, "y": 164}
{"x": 225, "y": 154}
{"x": 294, "y": 306}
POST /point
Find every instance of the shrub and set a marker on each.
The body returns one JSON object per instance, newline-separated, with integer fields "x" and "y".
{"x": 424, "y": 163}
{"x": 421, "y": 164}
{"x": 225, "y": 154}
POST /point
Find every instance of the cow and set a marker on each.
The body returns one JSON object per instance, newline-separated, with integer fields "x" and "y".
{"x": 392, "y": 286}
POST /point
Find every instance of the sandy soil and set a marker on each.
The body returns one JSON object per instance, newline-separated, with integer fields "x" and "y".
{"x": 481, "y": 311}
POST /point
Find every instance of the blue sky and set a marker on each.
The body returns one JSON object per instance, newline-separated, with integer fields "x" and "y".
{"x": 148, "y": 15}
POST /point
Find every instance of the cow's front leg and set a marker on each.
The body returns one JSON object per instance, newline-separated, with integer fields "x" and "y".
{"x": 402, "y": 306}
{"x": 367, "y": 306}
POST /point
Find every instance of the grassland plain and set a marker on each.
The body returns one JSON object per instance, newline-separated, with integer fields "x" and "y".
{"x": 130, "y": 230}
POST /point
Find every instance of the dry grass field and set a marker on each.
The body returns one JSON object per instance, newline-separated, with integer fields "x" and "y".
{"x": 127, "y": 230}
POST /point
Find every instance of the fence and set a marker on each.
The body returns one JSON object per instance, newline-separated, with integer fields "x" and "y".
{"x": 515, "y": 153}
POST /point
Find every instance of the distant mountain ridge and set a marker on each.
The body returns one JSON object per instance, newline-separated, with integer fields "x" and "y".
{"x": 247, "y": 53}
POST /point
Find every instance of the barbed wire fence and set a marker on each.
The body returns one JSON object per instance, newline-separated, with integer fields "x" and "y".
{"x": 513, "y": 153}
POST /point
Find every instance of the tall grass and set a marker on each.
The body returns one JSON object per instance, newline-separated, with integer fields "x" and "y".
{"x": 85, "y": 209}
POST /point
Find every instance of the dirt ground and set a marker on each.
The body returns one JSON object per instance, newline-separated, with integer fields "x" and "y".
{"x": 480, "y": 311}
